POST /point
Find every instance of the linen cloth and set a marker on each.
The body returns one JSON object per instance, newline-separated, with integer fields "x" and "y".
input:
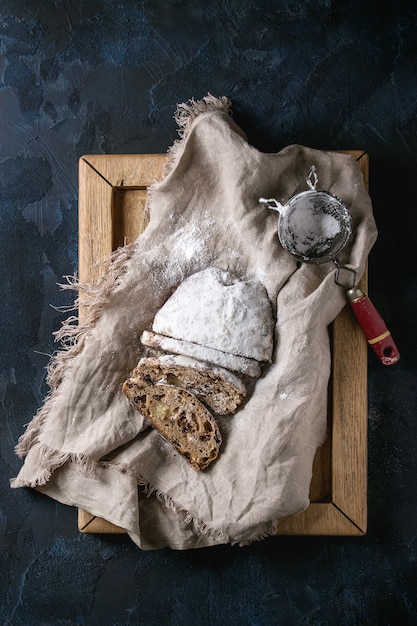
{"x": 88, "y": 447}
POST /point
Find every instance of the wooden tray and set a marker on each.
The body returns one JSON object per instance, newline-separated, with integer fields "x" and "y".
{"x": 112, "y": 194}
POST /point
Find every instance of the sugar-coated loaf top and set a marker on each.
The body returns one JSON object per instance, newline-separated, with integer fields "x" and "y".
{"x": 214, "y": 308}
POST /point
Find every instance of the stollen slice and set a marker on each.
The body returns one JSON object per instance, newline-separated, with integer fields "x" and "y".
{"x": 217, "y": 388}
{"x": 232, "y": 362}
{"x": 180, "y": 418}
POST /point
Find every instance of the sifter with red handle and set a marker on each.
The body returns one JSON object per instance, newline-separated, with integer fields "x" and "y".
{"x": 314, "y": 226}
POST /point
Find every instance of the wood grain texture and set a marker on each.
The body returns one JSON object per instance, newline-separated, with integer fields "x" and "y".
{"x": 112, "y": 196}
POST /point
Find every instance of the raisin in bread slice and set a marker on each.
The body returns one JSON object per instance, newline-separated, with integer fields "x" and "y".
{"x": 220, "y": 390}
{"x": 180, "y": 418}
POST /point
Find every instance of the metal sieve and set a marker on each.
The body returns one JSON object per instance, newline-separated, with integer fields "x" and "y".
{"x": 314, "y": 226}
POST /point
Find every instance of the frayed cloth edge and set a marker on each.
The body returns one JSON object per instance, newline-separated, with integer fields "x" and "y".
{"x": 201, "y": 527}
{"x": 51, "y": 460}
{"x": 198, "y": 525}
{"x": 184, "y": 117}
{"x": 268, "y": 531}
{"x": 92, "y": 297}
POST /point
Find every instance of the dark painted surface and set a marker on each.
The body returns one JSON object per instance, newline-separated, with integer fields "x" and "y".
{"x": 98, "y": 76}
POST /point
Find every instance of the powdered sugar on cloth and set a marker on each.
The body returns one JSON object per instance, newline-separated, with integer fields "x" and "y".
{"x": 88, "y": 447}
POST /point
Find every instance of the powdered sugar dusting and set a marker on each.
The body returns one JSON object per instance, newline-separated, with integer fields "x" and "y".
{"x": 190, "y": 249}
{"x": 312, "y": 230}
{"x": 215, "y": 309}
{"x": 191, "y": 240}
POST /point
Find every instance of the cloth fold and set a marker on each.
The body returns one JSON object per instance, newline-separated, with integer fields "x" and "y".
{"x": 88, "y": 447}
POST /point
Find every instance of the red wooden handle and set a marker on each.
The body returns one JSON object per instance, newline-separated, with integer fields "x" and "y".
{"x": 376, "y": 332}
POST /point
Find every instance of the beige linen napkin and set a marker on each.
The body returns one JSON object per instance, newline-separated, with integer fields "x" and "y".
{"x": 89, "y": 448}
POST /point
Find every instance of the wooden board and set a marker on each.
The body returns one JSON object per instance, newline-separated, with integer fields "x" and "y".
{"x": 112, "y": 195}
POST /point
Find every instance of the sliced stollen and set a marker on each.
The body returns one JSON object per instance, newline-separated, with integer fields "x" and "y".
{"x": 219, "y": 389}
{"x": 214, "y": 319}
{"x": 240, "y": 364}
{"x": 180, "y": 418}
{"x": 215, "y": 309}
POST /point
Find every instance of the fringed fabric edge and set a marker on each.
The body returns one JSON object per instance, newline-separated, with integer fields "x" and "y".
{"x": 198, "y": 525}
{"x": 185, "y": 115}
{"x": 49, "y": 460}
{"x": 92, "y": 297}
{"x": 149, "y": 491}
{"x": 269, "y": 531}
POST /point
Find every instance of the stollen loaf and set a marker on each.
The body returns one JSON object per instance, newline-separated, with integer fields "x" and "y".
{"x": 215, "y": 309}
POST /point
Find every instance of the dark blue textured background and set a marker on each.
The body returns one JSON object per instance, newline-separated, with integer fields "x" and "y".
{"x": 104, "y": 76}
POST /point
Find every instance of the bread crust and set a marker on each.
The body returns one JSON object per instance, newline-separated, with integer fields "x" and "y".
{"x": 180, "y": 418}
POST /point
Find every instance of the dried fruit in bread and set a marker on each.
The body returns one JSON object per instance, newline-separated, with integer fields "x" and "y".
{"x": 180, "y": 418}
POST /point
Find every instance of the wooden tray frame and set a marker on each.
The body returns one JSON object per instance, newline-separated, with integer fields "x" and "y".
{"x": 112, "y": 194}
